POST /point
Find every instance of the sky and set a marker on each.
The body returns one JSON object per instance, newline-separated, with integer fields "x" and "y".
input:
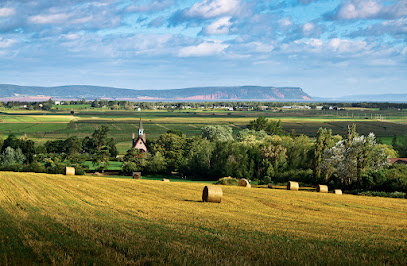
{"x": 329, "y": 48}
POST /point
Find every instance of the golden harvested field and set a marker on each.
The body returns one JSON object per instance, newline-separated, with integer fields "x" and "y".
{"x": 54, "y": 219}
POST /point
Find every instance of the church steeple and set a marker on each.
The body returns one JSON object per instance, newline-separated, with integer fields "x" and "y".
{"x": 140, "y": 129}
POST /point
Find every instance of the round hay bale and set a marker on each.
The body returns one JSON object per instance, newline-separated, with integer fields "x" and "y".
{"x": 166, "y": 180}
{"x": 338, "y": 191}
{"x": 136, "y": 175}
{"x": 322, "y": 189}
{"x": 244, "y": 183}
{"x": 69, "y": 170}
{"x": 270, "y": 185}
{"x": 291, "y": 185}
{"x": 212, "y": 194}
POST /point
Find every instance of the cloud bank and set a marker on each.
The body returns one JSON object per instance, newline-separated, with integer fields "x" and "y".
{"x": 217, "y": 41}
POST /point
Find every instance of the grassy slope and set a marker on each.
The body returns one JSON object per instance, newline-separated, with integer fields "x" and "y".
{"x": 84, "y": 220}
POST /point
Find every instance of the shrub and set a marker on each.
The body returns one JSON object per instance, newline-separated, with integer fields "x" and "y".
{"x": 35, "y": 167}
{"x": 303, "y": 176}
{"x": 395, "y": 194}
{"x": 79, "y": 169}
{"x": 129, "y": 167}
{"x": 156, "y": 163}
{"x": 392, "y": 179}
{"x": 56, "y": 168}
{"x": 228, "y": 181}
{"x": 266, "y": 180}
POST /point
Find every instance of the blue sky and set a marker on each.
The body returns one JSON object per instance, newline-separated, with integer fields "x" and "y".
{"x": 328, "y": 47}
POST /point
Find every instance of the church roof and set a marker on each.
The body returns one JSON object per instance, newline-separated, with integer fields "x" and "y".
{"x": 140, "y": 145}
{"x": 140, "y": 125}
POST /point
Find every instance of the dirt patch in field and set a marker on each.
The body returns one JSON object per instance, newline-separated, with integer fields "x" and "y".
{"x": 160, "y": 125}
{"x": 116, "y": 127}
{"x": 233, "y": 125}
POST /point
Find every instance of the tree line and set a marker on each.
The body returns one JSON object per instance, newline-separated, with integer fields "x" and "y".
{"x": 21, "y": 154}
{"x": 261, "y": 152}
{"x": 265, "y": 153}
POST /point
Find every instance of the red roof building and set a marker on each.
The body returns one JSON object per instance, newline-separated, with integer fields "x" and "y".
{"x": 397, "y": 160}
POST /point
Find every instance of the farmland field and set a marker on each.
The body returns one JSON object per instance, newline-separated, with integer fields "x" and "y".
{"x": 54, "y": 219}
{"x": 43, "y": 126}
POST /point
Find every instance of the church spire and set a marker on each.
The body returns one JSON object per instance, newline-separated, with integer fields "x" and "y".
{"x": 140, "y": 129}
{"x": 141, "y": 133}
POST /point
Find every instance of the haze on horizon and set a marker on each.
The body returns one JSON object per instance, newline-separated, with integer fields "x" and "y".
{"x": 329, "y": 48}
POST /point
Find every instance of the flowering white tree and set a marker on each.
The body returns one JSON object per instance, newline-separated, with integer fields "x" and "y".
{"x": 11, "y": 157}
{"x": 350, "y": 158}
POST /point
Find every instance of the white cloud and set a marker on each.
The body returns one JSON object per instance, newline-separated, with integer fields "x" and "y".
{"x": 398, "y": 25}
{"x": 5, "y": 43}
{"x": 331, "y": 48}
{"x": 356, "y": 9}
{"x": 346, "y": 46}
{"x": 316, "y": 43}
{"x": 49, "y": 19}
{"x": 214, "y": 8}
{"x": 82, "y": 20}
{"x": 220, "y": 26}
{"x": 70, "y": 37}
{"x": 261, "y": 47}
{"x": 6, "y": 12}
{"x": 371, "y": 9}
{"x": 307, "y": 27}
{"x": 285, "y": 22}
{"x": 203, "y": 49}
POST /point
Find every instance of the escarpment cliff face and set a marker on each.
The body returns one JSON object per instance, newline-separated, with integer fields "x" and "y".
{"x": 14, "y": 92}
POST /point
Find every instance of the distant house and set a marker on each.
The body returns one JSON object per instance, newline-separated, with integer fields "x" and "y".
{"x": 57, "y": 103}
{"x": 297, "y": 107}
{"x": 397, "y": 160}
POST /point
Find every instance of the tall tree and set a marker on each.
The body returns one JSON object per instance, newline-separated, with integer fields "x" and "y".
{"x": 349, "y": 160}
{"x": 218, "y": 132}
{"x": 324, "y": 141}
{"x": 99, "y": 137}
{"x": 272, "y": 127}
{"x": 11, "y": 141}
{"x": 172, "y": 147}
{"x": 73, "y": 145}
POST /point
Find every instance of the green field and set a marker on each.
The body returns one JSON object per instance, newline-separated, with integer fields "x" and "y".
{"x": 55, "y": 219}
{"x": 113, "y": 166}
{"x": 43, "y": 126}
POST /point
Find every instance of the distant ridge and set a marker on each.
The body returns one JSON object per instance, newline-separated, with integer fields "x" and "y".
{"x": 257, "y": 93}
